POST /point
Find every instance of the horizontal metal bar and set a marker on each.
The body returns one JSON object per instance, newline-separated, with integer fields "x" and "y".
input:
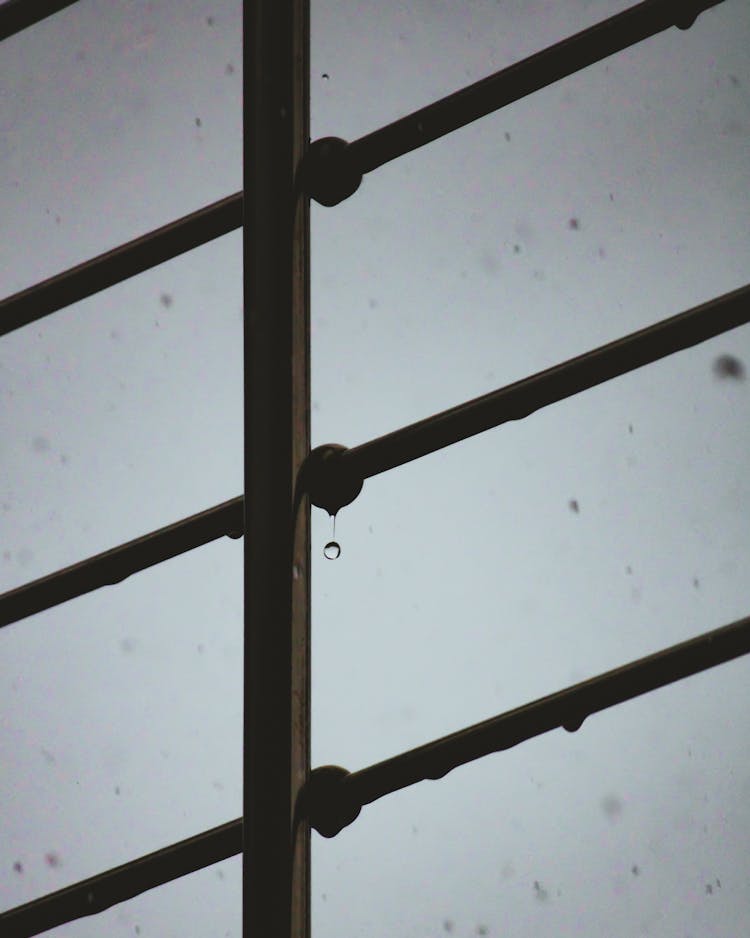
{"x": 522, "y": 398}
{"x": 519, "y": 80}
{"x": 122, "y": 262}
{"x": 113, "y": 566}
{"x": 335, "y": 168}
{"x": 123, "y": 882}
{"x": 16, "y": 15}
{"x": 334, "y": 796}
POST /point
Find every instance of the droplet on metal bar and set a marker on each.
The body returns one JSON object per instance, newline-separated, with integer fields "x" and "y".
{"x": 574, "y": 723}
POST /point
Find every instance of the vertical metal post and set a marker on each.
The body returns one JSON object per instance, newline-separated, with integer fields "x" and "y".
{"x": 277, "y": 541}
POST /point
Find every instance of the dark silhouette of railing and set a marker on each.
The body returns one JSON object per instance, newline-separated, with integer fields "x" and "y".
{"x": 123, "y": 882}
{"x": 335, "y": 796}
{"x": 116, "y": 565}
{"x": 335, "y": 474}
{"x": 16, "y": 15}
{"x": 332, "y": 475}
{"x": 334, "y": 168}
{"x": 129, "y": 259}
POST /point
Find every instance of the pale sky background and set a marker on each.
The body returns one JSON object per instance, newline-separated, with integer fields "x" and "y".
{"x": 467, "y": 584}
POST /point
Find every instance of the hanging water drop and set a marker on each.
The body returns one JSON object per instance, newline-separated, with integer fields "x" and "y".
{"x": 332, "y": 550}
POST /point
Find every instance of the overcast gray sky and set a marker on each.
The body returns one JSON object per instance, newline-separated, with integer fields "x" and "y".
{"x": 471, "y": 581}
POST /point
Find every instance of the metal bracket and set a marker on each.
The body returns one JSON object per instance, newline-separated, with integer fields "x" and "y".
{"x": 328, "y": 479}
{"x": 328, "y": 173}
{"x": 327, "y": 800}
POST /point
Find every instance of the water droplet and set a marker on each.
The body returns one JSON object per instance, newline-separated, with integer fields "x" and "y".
{"x": 573, "y": 723}
{"x": 332, "y": 550}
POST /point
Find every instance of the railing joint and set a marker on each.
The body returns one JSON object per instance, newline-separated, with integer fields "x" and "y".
{"x": 328, "y": 801}
{"x": 329, "y": 478}
{"x": 328, "y": 172}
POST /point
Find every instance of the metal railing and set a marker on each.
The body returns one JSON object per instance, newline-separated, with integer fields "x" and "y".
{"x": 124, "y": 882}
{"x": 330, "y": 171}
{"x": 334, "y": 168}
{"x": 336, "y": 473}
{"x": 16, "y": 15}
{"x": 116, "y": 565}
{"x": 123, "y": 262}
{"x": 335, "y": 796}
